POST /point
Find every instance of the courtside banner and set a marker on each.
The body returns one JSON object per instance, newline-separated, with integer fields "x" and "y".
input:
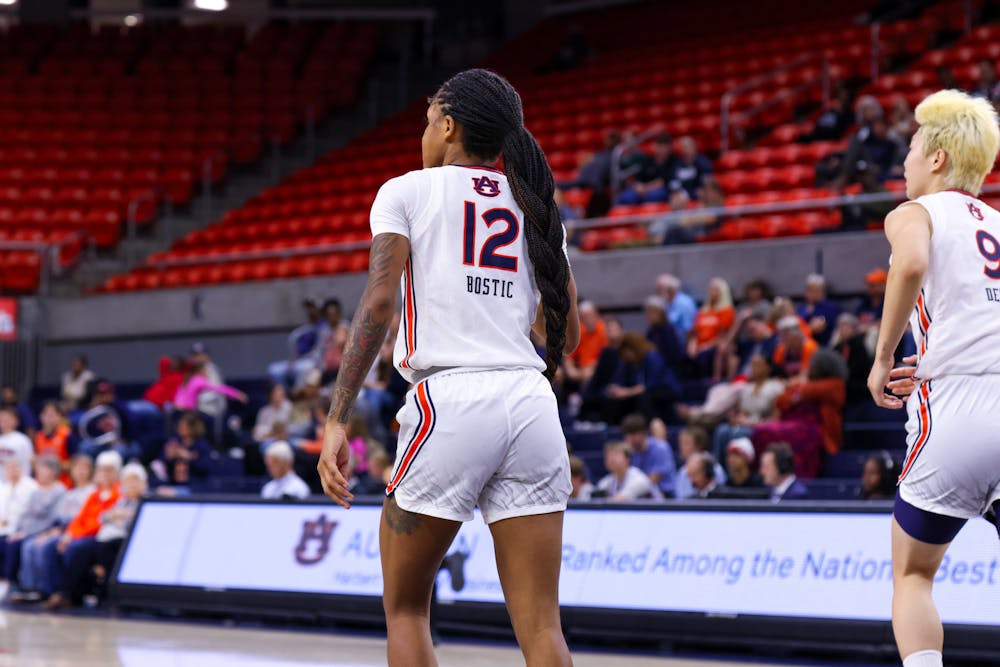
{"x": 770, "y": 563}
{"x": 8, "y": 318}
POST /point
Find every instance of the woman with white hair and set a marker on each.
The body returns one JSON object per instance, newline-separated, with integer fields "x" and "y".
{"x": 711, "y": 326}
{"x": 944, "y": 282}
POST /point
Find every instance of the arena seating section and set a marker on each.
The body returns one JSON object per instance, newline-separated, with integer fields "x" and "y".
{"x": 94, "y": 120}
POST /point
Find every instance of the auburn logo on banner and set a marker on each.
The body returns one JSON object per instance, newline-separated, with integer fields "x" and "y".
{"x": 8, "y": 318}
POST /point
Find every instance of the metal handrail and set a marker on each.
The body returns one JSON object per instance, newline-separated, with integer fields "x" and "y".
{"x": 290, "y": 14}
{"x": 49, "y": 253}
{"x": 754, "y": 82}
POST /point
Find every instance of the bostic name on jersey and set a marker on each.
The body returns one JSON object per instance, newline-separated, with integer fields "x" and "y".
{"x": 490, "y": 286}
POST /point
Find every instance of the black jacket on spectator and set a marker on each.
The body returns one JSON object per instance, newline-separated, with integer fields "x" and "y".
{"x": 859, "y": 363}
{"x": 668, "y": 344}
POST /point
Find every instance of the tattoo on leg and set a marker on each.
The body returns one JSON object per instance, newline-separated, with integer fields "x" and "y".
{"x": 398, "y": 519}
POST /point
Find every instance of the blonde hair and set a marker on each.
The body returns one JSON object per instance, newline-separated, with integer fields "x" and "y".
{"x": 965, "y": 128}
{"x": 725, "y": 296}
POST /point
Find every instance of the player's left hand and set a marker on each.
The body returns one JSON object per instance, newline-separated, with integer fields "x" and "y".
{"x": 902, "y": 383}
{"x": 333, "y": 462}
{"x": 878, "y": 381}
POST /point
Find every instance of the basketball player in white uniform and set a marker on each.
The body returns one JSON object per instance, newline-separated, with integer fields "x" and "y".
{"x": 482, "y": 260}
{"x": 945, "y": 279}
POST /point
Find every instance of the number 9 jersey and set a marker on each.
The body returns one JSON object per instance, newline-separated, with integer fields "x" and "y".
{"x": 469, "y": 293}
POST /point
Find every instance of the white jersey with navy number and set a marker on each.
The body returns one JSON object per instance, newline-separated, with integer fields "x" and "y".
{"x": 956, "y": 322}
{"x": 469, "y": 293}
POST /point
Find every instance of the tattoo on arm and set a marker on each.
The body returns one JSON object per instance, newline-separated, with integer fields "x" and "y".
{"x": 388, "y": 254}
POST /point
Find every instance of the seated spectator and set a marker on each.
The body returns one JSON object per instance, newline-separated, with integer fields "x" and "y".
{"x": 795, "y": 350}
{"x": 196, "y": 383}
{"x": 834, "y": 121}
{"x": 187, "y": 455}
{"x": 652, "y": 456}
{"x": 280, "y": 460}
{"x": 302, "y": 343}
{"x": 39, "y": 514}
{"x": 99, "y": 547}
{"x": 693, "y": 222}
{"x": 879, "y": 147}
{"x": 810, "y": 413}
{"x": 374, "y": 481}
{"x": 740, "y": 455}
{"x": 817, "y": 310}
{"x": 52, "y": 438}
{"x": 849, "y": 342}
{"x": 860, "y": 215}
{"x": 377, "y": 401}
{"x": 987, "y": 86}
{"x": 304, "y": 400}
{"x": 681, "y": 307}
{"x": 643, "y": 382}
{"x": 608, "y": 361}
{"x": 13, "y": 443}
{"x": 582, "y": 488}
{"x": 652, "y": 181}
{"x": 278, "y": 409}
{"x": 84, "y": 525}
{"x": 595, "y": 174}
{"x": 332, "y": 339}
{"x": 754, "y": 404}
{"x": 711, "y": 326}
{"x": 624, "y": 482}
{"x": 210, "y": 400}
{"x": 76, "y": 383}
{"x": 693, "y": 440}
{"x": 691, "y": 168}
{"x": 755, "y": 338}
{"x": 173, "y": 371}
{"x": 700, "y": 468}
{"x": 869, "y": 311}
{"x": 662, "y": 334}
{"x": 579, "y": 366}
{"x": 34, "y": 578}
{"x": 902, "y": 122}
{"x": 719, "y": 401}
{"x": 27, "y": 423}
{"x": 777, "y": 468}
{"x": 758, "y": 299}
{"x": 878, "y": 480}
{"x": 16, "y": 489}
{"x": 101, "y": 430}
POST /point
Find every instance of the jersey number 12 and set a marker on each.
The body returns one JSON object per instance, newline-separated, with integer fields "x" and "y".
{"x": 505, "y": 235}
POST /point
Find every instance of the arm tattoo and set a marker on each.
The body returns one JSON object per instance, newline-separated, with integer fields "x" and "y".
{"x": 369, "y": 326}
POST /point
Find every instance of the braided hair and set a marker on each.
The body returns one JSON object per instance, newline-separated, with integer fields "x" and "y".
{"x": 489, "y": 111}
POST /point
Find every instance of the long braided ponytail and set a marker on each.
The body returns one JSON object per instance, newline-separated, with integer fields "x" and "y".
{"x": 489, "y": 110}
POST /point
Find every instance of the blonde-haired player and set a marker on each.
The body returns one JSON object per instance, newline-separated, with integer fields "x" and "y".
{"x": 945, "y": 277}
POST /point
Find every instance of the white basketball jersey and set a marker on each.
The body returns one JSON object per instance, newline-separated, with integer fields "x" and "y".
{"x": 956, "y": 322}
{"x": 469, "y": 294}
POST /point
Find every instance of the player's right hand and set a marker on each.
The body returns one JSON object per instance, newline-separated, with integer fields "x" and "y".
{"x": 333, "y": 461}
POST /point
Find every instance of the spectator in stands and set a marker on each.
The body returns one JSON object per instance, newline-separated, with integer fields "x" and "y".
{"x": 35, "y": 574}
{"x": 302, "y": 344}
{"x": 304, "y": 399}
{"x": 878, "y": 480}
{"x": 582, "y": 488}
{"x": 987, "y": 86}
{"x": 849, "y": 342}
{"x": 280, "y": 459}
{"x": 643, "y": 382}
{"x": 711, "y": 326}
{"x": 580, "y": 364}
{"x": 378, "y": 402}
{"x": 13, "y": 443}
{"x": 652, "y": 181}
{"x": 573, "y": 53}
{"x": 681, "y": 306}
{"x": 758, "y": 299}
{"x": 27, "y": 423}
{"x": 101, "y": 431}
{"x": 693, "y": 440}
{"x": 794, "y": 350}
{"x": 209, "y": 401}
{"x": 903, "y": 124}
{"x": 374, "y": 481}
{"x": 755, "y": 404}
{"x": 278, "y": 409}
{"x": 869, "y": 311}
{"x": 39, "y": 514}
{"x": 691, "y": 168}
{"x": 817, "y": 310}
{"x": 651, "y": 455}
{"x": 84, "y": 525}
{"x": 872, "y": 145}
{"x": 16, "y": 490}
{"x": 608, "y": 361}
{"x": 76, "y": 383}
{"x": 197, "y": 383}
{"x": 173, "y": 370}
{"x": 860, "y": 215}
{"x": 595, "y": 174}
{"x": 693, "y": 221}
{"x": 700, "y": 468}
{"x": 835, "y": 120}
{"x": 740, "y": 456}
{"x": 52, "y": 438}
{"x": 187, "y": 455}
{"x": 333, "y": 338}
{"x": 777, "y": 468}
{"x": 624, "y": 482}
{"x": 755, "y": 338}
{"x": 662, "y": 334}
{"x": 99, "y": 544}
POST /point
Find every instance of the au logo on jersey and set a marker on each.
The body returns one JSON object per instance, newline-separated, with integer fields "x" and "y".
{"x": 486, "y": 186}
{"x": 320, "y": 532}
{"x": 975, "y": 212}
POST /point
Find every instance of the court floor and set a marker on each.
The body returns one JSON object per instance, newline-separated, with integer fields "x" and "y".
{"x": 46, "y": 640}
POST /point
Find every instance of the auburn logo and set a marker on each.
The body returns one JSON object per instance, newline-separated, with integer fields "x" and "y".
{"x": 975, "y": 212}
{"x": 486, "y": 186}
{"x": 320, "y": 532}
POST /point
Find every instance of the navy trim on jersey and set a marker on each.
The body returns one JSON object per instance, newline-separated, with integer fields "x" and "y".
{"x": 476, "y": 166}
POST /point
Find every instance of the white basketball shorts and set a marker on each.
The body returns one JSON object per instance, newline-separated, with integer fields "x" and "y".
{"x": 486, "y": 437}
{"x": 952, "y": 464}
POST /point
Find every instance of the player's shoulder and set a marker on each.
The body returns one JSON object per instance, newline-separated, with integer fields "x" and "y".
{"x": 409, "y": 180}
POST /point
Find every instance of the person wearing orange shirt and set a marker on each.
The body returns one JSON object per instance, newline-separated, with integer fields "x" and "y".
{"x": 82, "y": 529}
{"x": 711, "y": 325}
{"x": 795, "y": 349}
{"x": 580, "y": 365}
{"x": 51, "y": 439}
